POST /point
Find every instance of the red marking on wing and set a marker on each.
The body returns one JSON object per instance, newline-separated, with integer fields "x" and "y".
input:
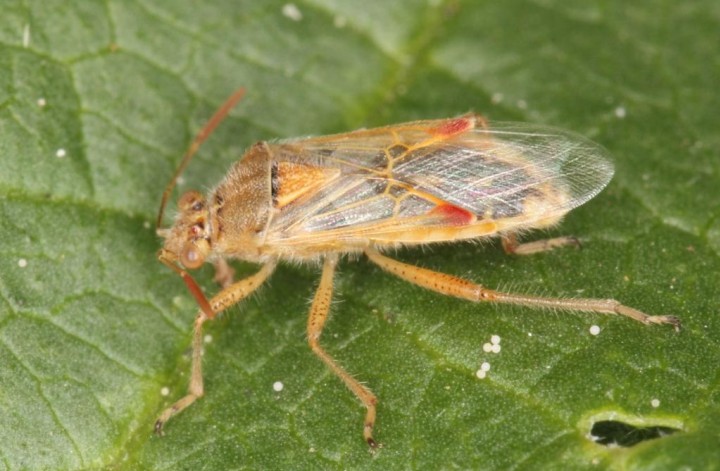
{"x": 453, "y": 126}
{"x": 454, "y": 215}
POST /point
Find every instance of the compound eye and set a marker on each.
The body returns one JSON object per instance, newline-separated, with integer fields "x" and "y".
{"x": 191, "y": 200}
{"x": 191, "y": 257}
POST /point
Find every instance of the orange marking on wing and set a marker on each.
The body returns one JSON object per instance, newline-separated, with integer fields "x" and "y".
{"x": 454, "y": 215}
{"x": 453, "y": 126}
{"x": 296, "y": 180}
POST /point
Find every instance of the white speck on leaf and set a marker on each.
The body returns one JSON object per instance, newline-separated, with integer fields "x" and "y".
{"x": 290, "y": 10}
{"x": 340, "y": 21}
{"x": 26, "y": 36}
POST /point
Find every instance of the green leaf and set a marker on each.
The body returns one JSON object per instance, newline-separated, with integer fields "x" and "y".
{"x": 98, "y": 101}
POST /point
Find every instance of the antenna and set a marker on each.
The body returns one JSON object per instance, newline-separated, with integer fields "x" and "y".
{"x": 204, "y": 133}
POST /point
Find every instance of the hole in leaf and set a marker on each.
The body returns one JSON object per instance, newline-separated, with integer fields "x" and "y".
{"x": 613, "y": 432}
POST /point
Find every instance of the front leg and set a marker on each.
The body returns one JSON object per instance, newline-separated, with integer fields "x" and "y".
{"x": 226, "y": 298}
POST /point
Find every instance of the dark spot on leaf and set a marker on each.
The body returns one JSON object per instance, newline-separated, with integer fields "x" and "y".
{"x": 616, "y": 433}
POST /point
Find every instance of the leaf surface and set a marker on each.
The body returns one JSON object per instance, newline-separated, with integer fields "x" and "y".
{"x": 98, "y": 101}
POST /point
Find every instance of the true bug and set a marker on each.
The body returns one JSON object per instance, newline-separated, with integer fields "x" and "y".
{"x": 315, "y": 199}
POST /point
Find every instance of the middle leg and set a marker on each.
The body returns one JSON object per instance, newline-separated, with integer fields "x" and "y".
{"x": 316, "y": 321}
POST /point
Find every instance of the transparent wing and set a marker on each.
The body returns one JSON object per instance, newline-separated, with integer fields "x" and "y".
{"x": 397, "y": 179}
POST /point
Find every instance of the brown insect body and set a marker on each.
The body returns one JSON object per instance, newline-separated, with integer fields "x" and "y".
{"x": 364, "y": 191}
{"x": 266, "y": 204}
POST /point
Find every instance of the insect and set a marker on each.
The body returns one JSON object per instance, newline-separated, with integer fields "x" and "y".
{"x": 316, "y": 199}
